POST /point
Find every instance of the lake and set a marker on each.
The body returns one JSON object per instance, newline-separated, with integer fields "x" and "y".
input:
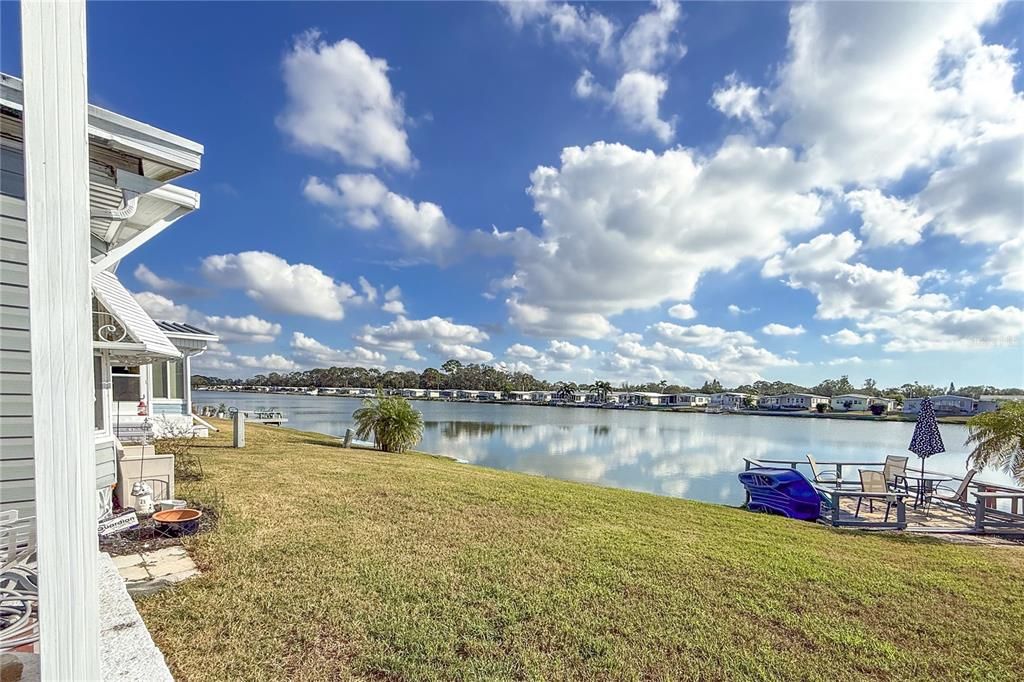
{"x": 691, "y": 455}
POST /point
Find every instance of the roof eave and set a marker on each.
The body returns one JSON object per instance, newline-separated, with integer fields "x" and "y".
{"x": 124, "y": 134}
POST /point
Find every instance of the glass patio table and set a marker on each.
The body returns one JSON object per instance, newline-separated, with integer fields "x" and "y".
{"x": 926, "y": 484}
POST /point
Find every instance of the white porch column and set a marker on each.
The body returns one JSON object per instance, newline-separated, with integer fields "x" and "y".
{"x": 186, "y": 368}
{"x": 57, "y": 203}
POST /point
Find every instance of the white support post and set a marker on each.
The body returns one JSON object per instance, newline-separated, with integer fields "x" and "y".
{"x": 57, "y": 202}
{"x": 186, "y": 381}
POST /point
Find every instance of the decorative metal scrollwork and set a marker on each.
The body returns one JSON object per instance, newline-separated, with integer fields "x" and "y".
{"x": 108, "y": 328}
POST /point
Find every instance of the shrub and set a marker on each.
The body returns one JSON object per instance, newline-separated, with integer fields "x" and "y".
{"x": 394, "y": 424}
{"x": 878, "y": 410}
{"x": 822, "y": 408}
{"x": 177, "y": 438}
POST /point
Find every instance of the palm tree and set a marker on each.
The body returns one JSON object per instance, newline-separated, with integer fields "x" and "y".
{"x": 603, "y": 388}
{"x": 565, "y": 390}
{"x": 394, "y": 424}
{"x": 998, "y": 439}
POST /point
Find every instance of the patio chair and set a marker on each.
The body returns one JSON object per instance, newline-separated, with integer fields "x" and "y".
{"x": 821, "y": 476}
{"x": 894, "y": 470}
{"x": 958, "y": 495}
{"x": 873, "y": 482}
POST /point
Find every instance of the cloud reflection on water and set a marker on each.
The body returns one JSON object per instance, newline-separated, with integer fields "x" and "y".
{"x": 683, "y": 455}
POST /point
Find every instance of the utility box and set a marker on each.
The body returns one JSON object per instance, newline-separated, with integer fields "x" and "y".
{"x": 141, "y": 463}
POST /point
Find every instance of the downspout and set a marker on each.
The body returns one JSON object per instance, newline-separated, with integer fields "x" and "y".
{"x": 130, "y": 199}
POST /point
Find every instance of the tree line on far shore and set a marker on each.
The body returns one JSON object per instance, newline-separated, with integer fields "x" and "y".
{"x": 455, "y": 375}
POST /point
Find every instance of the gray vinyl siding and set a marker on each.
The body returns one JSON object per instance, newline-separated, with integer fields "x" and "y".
{"x": 106, "y": 464}
{"x": 17, "y": 466}
{"x": 17, "y": 463}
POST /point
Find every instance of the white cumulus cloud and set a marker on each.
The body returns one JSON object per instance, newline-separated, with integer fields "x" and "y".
{"x": 740, "y": 100}
{"x": 165, "y": 285}
{"x": 402, "y": 334}
{"x": 682, "y": 311}
{"x": 966, "y": 330}
{"x": 848, "y": 337}
{"x": 776, "y": 329}
{"x": 319, "y": 354}
{"x": 887, "y": 220}
{"x": 461, "y": 352}
{"x": 848, "y": 290}
{"x": 248, "y": 328}
{"x": 298, "y": 289}
{"x": 364, "y": 202}
{"x": 272, "y": 362}
{"x": 623, "y": 229}
{"x": 340, "y": 101}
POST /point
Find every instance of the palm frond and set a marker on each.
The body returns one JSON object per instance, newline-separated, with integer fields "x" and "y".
{"x": 998, "y": 440}
{"x": 394, "y": 424}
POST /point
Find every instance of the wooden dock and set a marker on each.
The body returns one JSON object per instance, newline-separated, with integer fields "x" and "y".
{"x": 269, "y": 417}
{"x": 991, "y": 516}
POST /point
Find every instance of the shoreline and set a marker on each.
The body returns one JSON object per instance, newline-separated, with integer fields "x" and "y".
{"x": 890, "y": 417}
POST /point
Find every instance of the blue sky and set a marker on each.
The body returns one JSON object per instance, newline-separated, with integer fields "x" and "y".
{"x": 783, "y": 173}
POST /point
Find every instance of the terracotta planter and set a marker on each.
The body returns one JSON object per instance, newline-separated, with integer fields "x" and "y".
{"x": 176, "y": 516}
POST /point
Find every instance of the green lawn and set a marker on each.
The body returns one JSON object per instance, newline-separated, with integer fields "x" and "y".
{"x": 341, "y": 564}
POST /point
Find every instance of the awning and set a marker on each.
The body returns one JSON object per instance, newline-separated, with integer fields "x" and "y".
{"x": 123, "y": 329}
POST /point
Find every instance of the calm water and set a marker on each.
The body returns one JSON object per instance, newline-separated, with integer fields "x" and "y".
{"x": 683, "y": 455}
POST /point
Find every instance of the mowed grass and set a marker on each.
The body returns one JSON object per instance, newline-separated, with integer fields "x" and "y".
{"x": 347, "y": 564}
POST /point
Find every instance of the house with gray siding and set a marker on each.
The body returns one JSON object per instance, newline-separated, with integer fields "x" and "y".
{"x": 131, "y": 201}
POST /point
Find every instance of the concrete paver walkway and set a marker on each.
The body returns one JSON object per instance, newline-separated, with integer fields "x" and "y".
{"x": 151, "y": 571}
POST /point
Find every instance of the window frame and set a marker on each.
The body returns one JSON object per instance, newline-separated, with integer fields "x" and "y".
{"x": 135, "y": 375}
{"x": 103, "y": 392}
{"x": 164, "y": 369}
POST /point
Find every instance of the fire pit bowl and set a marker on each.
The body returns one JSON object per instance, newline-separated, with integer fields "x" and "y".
{"x": 185, "y": 521}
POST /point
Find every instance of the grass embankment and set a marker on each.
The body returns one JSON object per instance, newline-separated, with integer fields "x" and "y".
{"x": 339, "y": 564}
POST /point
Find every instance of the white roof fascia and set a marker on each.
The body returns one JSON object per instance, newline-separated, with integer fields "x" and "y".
{"x": 170, "y": 193}
{"x": 122, "y": 133}
{"x": 140, "y": 326}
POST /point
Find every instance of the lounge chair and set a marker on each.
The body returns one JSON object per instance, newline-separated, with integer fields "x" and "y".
{"x": 820, "y": 476}
{"x": 895, "y": 470}
{"x": 874, "y": 482}
{"x": 958, "y": 495}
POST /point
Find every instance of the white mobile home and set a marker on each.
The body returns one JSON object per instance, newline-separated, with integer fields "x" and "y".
{"x": 801, "y": 401}
{"x": 130, "y": 203}
{"x": 413, "y": 392}
{"x": 888, "y": 403}
{"x": 954, "y": 404}
{"x": 158, "y": 394}
{"x": 912, "y": 405}
{"x": 850, "y": 402}
{"x": 82, "y": 188}
{"x": 688, "y": 400}
{"x": 768, "y": 402}
{"x": 647, "y": 398}
{"x": 730, "y": 400}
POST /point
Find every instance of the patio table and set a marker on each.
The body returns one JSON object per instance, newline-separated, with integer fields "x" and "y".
{"x": 926, "y": 483}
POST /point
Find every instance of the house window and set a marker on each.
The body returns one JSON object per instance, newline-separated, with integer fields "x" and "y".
{"x": 168, "y": 380}
{"x": 12, "y": 172}
{"x": 99, "y": 404}
{"x": 126, "y": 384}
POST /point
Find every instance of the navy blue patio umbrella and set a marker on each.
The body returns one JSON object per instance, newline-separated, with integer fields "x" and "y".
{"x": 927, "y": 440}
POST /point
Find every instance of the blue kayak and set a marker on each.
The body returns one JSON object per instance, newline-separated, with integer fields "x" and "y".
{"x": 782, "y": 491}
